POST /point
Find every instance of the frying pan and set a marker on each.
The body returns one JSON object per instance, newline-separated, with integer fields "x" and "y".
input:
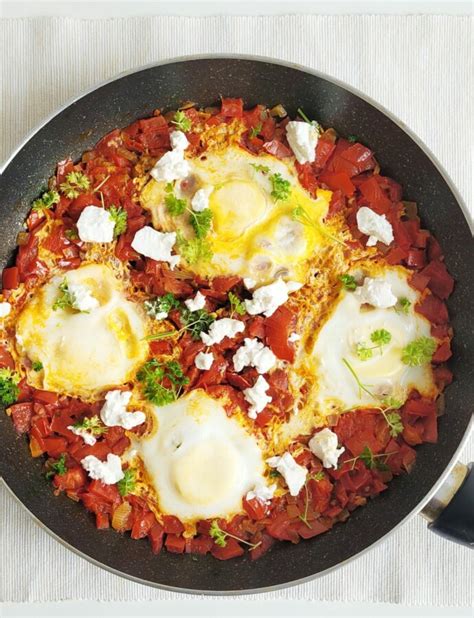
{"x": 75, "y": 128}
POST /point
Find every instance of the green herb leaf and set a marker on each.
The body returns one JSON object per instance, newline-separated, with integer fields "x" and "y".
{"x": 348, "y": 282}
{"x": 128, "y": 483}
{"x": 37, "y": 365}
{"x": 394, "y": 421}
{"x": 153, "y": 373}
{"x": 260, "y": 168}
{"x": 161, "y": 304}
{"x": 76, "y": 183}
{"x": 46, "y": 201}
{"x": 174, "y": 205}
{"x": 281, "y": 188}
{"x": 201, "y": 222}
{"x": 306, "y": 119}
{"x": 92, "y": 424}
{"x": 194, "y": 250}
{"x": 352, "y": 139}
{"x": 362, "y": 387}
{"x": 220, "y": 536}
{"x": 403, "y": 306}
{"x": 363, "y": 352}
{"x": 181, "y": 121}
{"x": 274, "y": 474}
{"x": 367, "y": 458}
{"x": 392, "y": 403}
{"x": 381, "y": 337}
{"x": 196, "y": 322}
{"x": 254, "y": 131}
{"x": 58, "y": 467}
{"x": 8, "y": 386}
{"x": 299, "y": 214}
{"x": 236, "y": 305}
{"x": 71, "y": 234}
{"x": 119, "y": 216}
{"x": 65, "y": 298}
{"x": 419, "y": 351}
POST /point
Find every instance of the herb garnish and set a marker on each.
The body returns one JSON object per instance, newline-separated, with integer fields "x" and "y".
{"x": 236, "y": 305}
{"x": 92, "y": 424}
{"x": 260, "y": 168}
{"x": 161, "y": 304}
{"x": 196, "y": 322}
{"x": 281, "y": 188}
{"x": 37, "y": 365}
{"x": 319, "y": 476}
{"x": 201, "y": 222}
{"x": 299, "y": 214}
{"x": 153, "y": 373}
{"x": 370, "y": 460}
{"x": 127, "y": 484}
{"x": 119, "y": 216}
{"x": 181, "y": 121}
{"x": 46, "y": 201}
{"x": 8, "y": 386}
{"x": 348, "y": 282}
{"x": 220, "y": 536}
{"x": 65, "y": 299}
{"x": 419, "y": 351}
{"x": 194, "y": 250}
{"x": 254, "y": 131}
{"x": 174, "y": 205}
{"x": 58, "y": 467}
{"x": 76, "y": 183}
{"x": 403, "y": 305}
{"x": 362, "y": 387}
{"x": 305, "y": 117}
{"x": 380, "y": 337}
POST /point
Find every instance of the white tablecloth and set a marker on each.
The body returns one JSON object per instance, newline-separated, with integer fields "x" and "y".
{"x": 418, "y": 67}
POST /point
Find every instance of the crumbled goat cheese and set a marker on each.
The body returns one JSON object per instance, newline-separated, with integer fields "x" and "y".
{"x": 156, "y": 245}
{"x": 5, "y": 309}
{"x": 294, "y": 337}
{"x": 375, "y": 226}
{"x": 172, "y": 165}
{"x": 376, "y": 292}
{"x": 82, "y": 299}
{"x": 95, "y": 225}
{"x": 249, "y": 283}
{"x": 324, "y": 445}
{"x": 293, "y": 473}
{"x": 204, "y": 360}
{"x": 263, "y": 493}
{"x": 196, "y": 303}
{"x": 254, "y": 354}
{"x": 200, "y": 199}
{"x": 88, "y": 438}
{"x": 226, "y": 327}
{"x": 109, "y": 472}
{"x": 114, "y": 411}
{"x": 268, "y": 298}
{"x": 257, "y": 397}
{"x": 302, "y": 137}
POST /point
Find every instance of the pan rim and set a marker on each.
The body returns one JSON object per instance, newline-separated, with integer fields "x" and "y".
{"x": 468, "y": 219}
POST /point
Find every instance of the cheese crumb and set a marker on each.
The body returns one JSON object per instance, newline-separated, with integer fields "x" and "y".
{"x": 200, "y": 199}
{"x": 257, "y": 397}
{"x": 261, "y": 492}
{"x": 204, "y": 360}
{"x": 88, "y": 438}
{"x": 114, "y": 411}
{"x": 254, "y": 354}
{"x": 196, "y": 303}
{"x": 293, "y": 473}
{"x": 376, "y": 292}
{"x": 324, "y": 445}
{"x": 302, "y": 137}
{"x": 109, "y": 472}
{"x": 375, "y": 226}
{"x": 95, "y": 225}
{"x": 268, "y": 298}
{"x": 156, "y": 245}
{"x": 226, "y": 327}
{"x": 82, "y": 297}
{"x": 178, "y": 141}
{"x": 249, "y": 283}
{"x": 172, "y": 165}
{"x": 5, "y": 309}
{"x": 294, "y": 337}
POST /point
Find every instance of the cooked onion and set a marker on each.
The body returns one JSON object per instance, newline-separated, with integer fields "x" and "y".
{"x": 278, "y": 111}
{"x": 121, "y": 516}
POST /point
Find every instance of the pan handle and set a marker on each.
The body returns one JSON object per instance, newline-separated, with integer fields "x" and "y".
{"x": 451, "y": 510}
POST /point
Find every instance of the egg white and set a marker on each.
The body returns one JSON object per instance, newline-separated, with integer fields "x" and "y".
{"x": 82, "y": 353}
{"x": 199, "y": 461}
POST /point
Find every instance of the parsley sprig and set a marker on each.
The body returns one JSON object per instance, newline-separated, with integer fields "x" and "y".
{"x": 128, "y": 483}
{"x": 194, "y": 250}
{"x": 370, "y": 460}
{"x": 46, "y": 201}
{"x": 362, "y": 387}
{"x": 174, "y": 205}
{"x": 181, "y": 121}
{"x": 348, "y": 282}
{"x": 281, "y": 188}
{"x": 236, "y": 305}
{"x": 301, "y": 215}
{"x": 380, "y": 338}
{"x": 75, "y": 183}
{"x": 153, "y": 374}
{"x": 161, "y": 304}
{"x": 58, "y": 467}
{"x": 119, "y": 216}
{"x": 37, "y": 365}
{"x": 65, "y": 299}
{"x": 220, "y": 536}
{"x": 419, "y": 351}
{"x": 201, "y": 222}
{"x": 254, "y": 131}
{"x": 403, "y": 305}
{"x": 195, "y": 322}
{"x": 92, "y": 424}
{"x": 260, "y": 168}
{"x": 9, "y": 390}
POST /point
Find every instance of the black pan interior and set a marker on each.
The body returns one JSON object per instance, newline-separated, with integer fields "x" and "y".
{"x": 166, "y": 86}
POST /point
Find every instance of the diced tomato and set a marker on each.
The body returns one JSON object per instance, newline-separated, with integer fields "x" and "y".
{"x": 6, "y": 359}
{"x": 338, "y": 181}
{"x": 73, "y": 479}
{"x": 265, "y": 543}
{"x": 324, "y": 149}
{"x": 55, "y": 447}
{"x": 416, "y": 258}
{"x": 21, "y": 414}
{"x": 214, "y": 375}
{"x": 10, "y": 278}
{"x": 374, "y": 194}
{"x": 175, "y": 544}
{"x": 254, "y": 508}
{"x": 307, "y": 177}
{"x": 231, "y": 550}
{"x": 440, "y": 281}
{"x": 156, "y": 534}
{"x": 313, "y": 529}
{"x": 142, "y": 525}
{"x": 46, "y": 397}
{"x": 201, "y": 544}
{"x": 277, "y": 149}
{"x": 433, "y": 309}
{"x": 420, "y": 407}
{"x": 172, "y": 525}
{"x": 442, "y": 353}
{"x": 280, "y": 527}
{"x": 80, "y": 450}
{"x": 225, "y": 283}
{"x": 106, "y": 492}
{"x": 419, "y": 281}
{"x": 102, "y": 521}
{"x": 278, "y": 328}
{"x": 77, "y": 205}
{"x": 233, "y": 108}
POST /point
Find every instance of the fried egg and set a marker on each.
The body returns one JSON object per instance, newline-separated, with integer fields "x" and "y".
{"x": 253, "y": 234}
{"x": 199, "y": 461}
{"x": 82, "y": 352}
{"x": 351, "y": 325}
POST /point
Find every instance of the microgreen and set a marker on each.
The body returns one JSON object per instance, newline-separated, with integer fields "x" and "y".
{"x": 194, "y": 250}
{"x": 46, "y": 201}
{"x": 300, "y": 214}
{"x": 58, "y": 467}
{"x": 348, "y": 282}
{"x": 236, "y": 305}
{"x": 419, "y": 351}
{"x": 181, "y": 121}
{"x": 305, "y": 118}
{"x": 260, "y": 168}
{"x": 403, "y": 306}
{"x": 153, "y": 373}
{"x": 119, "y": 216}
{"x": 161, "y": 304}
{"x": 174, "y": 205}
{"x": 8, "y": 386}
{"x": 281, "y": 188}
{"x": 254, "y": 131}
{"x": 75, "y": 183}
{"x": 127, "y": 484}
{"x": 92, "y": 424}
{"x": 65, "y": 299}
{"x": 220, "y": 536}
{"x": 362, "y": 387}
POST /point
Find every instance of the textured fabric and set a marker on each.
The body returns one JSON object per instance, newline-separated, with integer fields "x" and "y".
{"x": 418, "y": 67}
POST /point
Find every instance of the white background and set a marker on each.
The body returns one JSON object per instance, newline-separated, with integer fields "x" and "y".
{"x": 113, "y": 8}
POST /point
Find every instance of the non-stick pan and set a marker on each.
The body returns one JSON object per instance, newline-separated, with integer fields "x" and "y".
{"x": 75, "y": 128}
